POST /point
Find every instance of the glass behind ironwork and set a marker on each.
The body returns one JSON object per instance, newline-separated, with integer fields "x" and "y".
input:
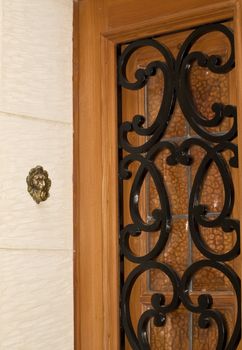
{"x": 178, "y": 170}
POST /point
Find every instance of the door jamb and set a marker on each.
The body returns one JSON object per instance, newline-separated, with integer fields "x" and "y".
{"x": 108, "y": 258}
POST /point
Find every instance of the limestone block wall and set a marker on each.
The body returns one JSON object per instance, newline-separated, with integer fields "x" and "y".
{"x": 36, "y": 241}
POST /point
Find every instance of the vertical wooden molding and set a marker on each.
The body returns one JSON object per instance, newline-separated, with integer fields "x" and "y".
{"x": 110, "y": 197}
{"x": 88, "y": 236}
{"x": 76, "y": 179}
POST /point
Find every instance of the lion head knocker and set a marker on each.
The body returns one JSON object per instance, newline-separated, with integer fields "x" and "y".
{"x": 38, "y": 184}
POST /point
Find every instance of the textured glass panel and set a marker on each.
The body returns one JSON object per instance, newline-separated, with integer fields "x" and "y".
{"x": 212, "y": 193}
{"x": 208, "y": 87}
{"x": 155, "y": 88}
{"x": 175, "y": 334}
{"x": 176, "y": 255}
{"x": 209, "y": 279}
{"x": 206, "y": 339}
{"x": 176, "y": 186}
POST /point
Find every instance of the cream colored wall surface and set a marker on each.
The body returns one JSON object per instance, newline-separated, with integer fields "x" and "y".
{"x": 36, "y": 245}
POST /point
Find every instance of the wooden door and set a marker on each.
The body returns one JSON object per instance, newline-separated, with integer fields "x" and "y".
{"x": 157, "y": 178}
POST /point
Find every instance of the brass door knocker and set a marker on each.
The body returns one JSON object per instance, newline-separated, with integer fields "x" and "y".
{"x": 38, "y": 184}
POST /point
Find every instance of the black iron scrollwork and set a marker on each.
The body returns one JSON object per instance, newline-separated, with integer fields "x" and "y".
{"x": 176, "y": 73}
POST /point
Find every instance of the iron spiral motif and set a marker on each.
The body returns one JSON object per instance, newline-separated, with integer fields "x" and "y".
{"x": 176, "y": 73}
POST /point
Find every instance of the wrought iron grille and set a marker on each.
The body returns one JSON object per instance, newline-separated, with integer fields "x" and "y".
{"x": 176, "y": 72}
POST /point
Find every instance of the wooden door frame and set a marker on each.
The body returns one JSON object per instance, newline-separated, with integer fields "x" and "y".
{"x": 96, "y": 263}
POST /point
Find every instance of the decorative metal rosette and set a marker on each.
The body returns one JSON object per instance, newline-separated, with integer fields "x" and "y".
{"x": 38, "y": 184}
